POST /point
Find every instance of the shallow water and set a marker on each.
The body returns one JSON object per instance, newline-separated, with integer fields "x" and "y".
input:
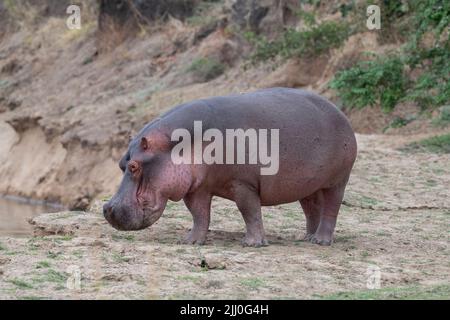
{"x": 15, "y": 213}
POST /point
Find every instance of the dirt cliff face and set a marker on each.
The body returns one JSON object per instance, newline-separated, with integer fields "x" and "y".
{"x": 68, "y": 108}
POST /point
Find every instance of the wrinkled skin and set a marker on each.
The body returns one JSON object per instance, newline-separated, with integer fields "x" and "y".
{"x": 317, "y": 152}
{"x": 145, "y": 188}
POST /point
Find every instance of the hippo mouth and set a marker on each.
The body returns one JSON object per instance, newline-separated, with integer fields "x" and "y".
{"x": 151, "y": 215}
{"x": 133, "y": 215}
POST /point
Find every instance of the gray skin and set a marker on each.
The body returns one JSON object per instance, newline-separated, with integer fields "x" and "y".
{"x": 316, "y": 154}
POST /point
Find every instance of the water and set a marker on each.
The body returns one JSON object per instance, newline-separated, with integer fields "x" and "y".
{"x": 15, "y": 213}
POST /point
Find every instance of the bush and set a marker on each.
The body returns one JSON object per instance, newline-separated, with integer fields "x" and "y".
{"x": 432, "y": 87}
{"x": 443, "y": 119}
{"x": 316, "y": 40}
{"x": 381, "y": 81}
{"x": 206, "y": 69}
{"x": 384, "y": 80}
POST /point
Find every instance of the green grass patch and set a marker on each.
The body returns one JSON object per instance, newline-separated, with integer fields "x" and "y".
{"x": 53, "y": 255}
{"x": 119, "y": 257}
{"x": 440, "y": 292}
{"x": 189, "y": 278}
{"x": 367, "y": 201}
{"x": 43, "y": 265}
{"x": 21, "y": 284}
{"x": 436, "y": 144}
{"x": 64, "y": 238}
{"x": 51, "y": 276}
{"x": 55, "y": 276}
{"x": 253, "y": 283}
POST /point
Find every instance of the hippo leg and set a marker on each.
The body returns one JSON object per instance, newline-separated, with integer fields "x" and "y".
{"x": 312, "y": 207}
{"x": 249, "y": 204}
{"x": 199, "y": 204}
{"x": 332, "y": 202}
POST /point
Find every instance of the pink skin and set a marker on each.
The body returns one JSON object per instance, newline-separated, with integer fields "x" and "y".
{"x": 146, "y": 187}
{"x": 150, "y": 180}
{"x": 317, "y": 151}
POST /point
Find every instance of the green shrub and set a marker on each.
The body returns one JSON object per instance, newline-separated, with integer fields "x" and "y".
{"x": 443, "y": 119}
{"x": 431, "y": 15}
{"x": 399, "y": 122}
{"x": 316, "y": 40}
{"x": 432, "y": 87}
{"x": 384, "y": 81}
{"x": 380, "y": 81}
{"x": 206, "y": 69}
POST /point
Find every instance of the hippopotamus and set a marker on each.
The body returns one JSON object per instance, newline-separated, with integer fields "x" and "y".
{"x": 316, "y": 151}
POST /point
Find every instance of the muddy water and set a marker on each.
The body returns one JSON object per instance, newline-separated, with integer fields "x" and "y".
{"x": 15, "y": 213}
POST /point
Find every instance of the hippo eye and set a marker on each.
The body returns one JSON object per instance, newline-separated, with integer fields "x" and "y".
{"x": 123, "y": 162}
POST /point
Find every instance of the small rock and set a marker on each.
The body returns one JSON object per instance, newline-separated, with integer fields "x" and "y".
{"x": 213, "y": 263}
{"x": 98, "y": 243}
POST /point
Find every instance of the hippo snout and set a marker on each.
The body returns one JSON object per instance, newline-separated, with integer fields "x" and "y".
{"x": 121, "y": 218}
{"x": 111, "y": 215}
{"x": 127, "y": 218}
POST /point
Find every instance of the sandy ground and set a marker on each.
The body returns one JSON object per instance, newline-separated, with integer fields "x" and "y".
{"x": 395, "y": 217}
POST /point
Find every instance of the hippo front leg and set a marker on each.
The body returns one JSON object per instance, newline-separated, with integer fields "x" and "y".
{"x": 199, "y": 204}
{"x": 249, "y": 204}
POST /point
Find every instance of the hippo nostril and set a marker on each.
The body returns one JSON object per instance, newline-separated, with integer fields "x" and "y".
{"x": 133, "y": 166}
{"x": 107, "y": 210}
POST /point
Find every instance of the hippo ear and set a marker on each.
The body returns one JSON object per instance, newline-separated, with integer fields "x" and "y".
{"x": 156, "y": 142}
{"x": 144, "y": 143}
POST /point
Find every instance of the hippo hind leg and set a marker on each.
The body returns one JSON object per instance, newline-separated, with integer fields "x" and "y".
{"x": 332, "y": 199}
{"x": 312, "y": 207}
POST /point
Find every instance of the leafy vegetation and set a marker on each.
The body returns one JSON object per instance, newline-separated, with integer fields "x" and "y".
{"x": 42, "y": 265}
{"x": 380, "y": 81}
{"x": 206, "y": 69}
{"x": 443, "y": 119}
{"x": 253, "y": 283}
{"x": 385, "y": 80}
{"x": 316, "y": 40}
{"x": 21, "y": 284}
{"x": 399, "y": 122}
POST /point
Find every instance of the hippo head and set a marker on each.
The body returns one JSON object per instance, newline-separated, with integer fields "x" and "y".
{"x": 150, "y": 179}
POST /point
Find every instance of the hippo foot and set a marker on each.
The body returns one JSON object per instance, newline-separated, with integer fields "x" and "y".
{"x": 193, "y": 238}
{"x": 321, "y": 240}
{"x": 254, "y": 242}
